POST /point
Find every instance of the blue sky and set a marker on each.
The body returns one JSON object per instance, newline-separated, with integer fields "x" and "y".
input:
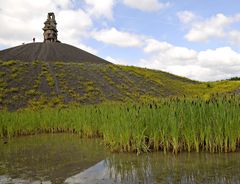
{"x": 195, "y": 39}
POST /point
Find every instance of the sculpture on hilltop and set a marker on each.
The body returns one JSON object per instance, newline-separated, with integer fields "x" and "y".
{"x": 50, "y": 29}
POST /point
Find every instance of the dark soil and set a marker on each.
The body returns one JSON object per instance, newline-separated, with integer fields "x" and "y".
{"x": 49, "y": 52}
{"x": 40, "y": 83}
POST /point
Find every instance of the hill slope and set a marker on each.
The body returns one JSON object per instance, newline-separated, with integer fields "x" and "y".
{"x": 49, "y": 52}
{"x": 52, "y": 83}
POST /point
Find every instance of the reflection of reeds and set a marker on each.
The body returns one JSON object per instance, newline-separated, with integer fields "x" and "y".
{"x": 183, "y": 168}
{"x": 137, "y": 170}
{"x": 168, "y": 124}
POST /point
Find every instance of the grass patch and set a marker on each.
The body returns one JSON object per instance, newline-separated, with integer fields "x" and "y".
{"x": 8, "y": 63}
{"x": 173, "y": 125}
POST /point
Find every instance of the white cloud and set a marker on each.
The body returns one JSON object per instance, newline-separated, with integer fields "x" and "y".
{"x": 234, "y": 36}
{"x": 73, "y": 26}
{"x": 24, "y": 20}
{"x": 192, "y": 71}
{"x": 155, "y": 46}
{"x": 168, "y": 51}
{"x": 210, "y": 28}
{"x": 186, "y": 16}
{"x": 181, "y": 53}
{"x": 27, "y": 8}
{"x": 208, "y": 65}
{"x": 118, "y": 38}
{"x": 217, "y": 26}
{"x": 116, "y": 61}
{"x": 219, "y": 57}
{"x": 146, "y": 5}
{"x": 97, "y": 8}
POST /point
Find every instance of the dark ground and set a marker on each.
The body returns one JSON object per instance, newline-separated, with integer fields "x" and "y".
{"x": 49, "y": 52}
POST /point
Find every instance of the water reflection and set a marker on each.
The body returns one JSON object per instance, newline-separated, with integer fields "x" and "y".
{"x": 48, "y": 157}
{"x": 68, "y": 159}
{"x": 159, "y": 168}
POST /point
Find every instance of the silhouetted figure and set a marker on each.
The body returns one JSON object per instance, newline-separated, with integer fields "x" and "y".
{"x": 33, "y": 40}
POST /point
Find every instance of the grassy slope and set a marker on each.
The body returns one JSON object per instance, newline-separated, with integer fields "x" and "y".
{"x": 56, "y": 83}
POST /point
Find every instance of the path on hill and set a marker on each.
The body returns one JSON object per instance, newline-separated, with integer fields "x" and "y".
{"x": 56, "y": 85}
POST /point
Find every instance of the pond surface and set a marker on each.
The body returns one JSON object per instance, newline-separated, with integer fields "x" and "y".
{"x": 62, "y": 158}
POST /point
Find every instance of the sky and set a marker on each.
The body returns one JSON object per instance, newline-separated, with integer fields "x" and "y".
{"x": 195, "y": 39}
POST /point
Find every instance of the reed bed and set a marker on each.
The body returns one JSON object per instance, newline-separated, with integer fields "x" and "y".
{"x": 173, "y": 125}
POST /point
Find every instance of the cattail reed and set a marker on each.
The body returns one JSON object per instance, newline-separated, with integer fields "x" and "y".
{"x": 169, "y": 125}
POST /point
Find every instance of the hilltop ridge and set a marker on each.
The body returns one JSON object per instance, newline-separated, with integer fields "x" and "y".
{"x": 52, "y": 51}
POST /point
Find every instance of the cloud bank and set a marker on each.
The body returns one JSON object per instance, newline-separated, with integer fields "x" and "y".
{"x": 207, "y": 65}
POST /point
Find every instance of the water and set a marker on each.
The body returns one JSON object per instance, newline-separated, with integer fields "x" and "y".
{"x": 63, "y": 158}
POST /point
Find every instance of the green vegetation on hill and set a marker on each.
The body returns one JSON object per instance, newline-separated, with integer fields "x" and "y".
{"x": 49, "y": 84}
{"x": 132, "y": 109}
{"x": 167, "y": 124}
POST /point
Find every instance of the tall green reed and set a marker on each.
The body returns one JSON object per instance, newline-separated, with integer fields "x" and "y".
{"x": 167, "y": 124}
